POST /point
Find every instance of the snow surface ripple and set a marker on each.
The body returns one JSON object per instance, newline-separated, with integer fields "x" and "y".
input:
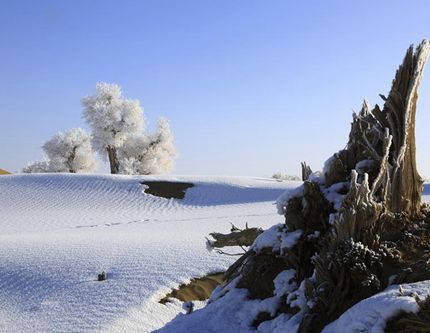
{"x": 58, "y": 231}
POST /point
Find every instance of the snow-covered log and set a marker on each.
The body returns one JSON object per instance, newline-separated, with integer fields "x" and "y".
{"x": 243, "y": 237}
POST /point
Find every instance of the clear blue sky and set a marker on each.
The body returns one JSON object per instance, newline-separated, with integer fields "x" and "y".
{"x": 251, "y": 87}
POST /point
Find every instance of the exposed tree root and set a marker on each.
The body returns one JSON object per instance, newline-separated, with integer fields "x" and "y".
{"x": 237, "y": 237}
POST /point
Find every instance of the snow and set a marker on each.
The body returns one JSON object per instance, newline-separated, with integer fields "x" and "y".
{"x": 282, "y": 201}
{"x": 234, "y": 312}
{"x": 371, "y": 314}
{"x": 220, "y": 316}
{"x": 289, "y": 239}
{"x": 268, "y": 238}
{"x": 284, "y": 282}
{"x": 58, "y": 231}
{"x": 276, "y": 237}
{"x": 332, "y": 194}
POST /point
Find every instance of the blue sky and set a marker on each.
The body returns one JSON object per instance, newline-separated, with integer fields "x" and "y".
{"x": 250, "y": 87}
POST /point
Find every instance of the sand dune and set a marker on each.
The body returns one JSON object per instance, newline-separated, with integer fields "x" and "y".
{"x": 58, "y": 231}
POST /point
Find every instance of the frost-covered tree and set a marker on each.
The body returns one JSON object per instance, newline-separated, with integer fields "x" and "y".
{"x": 70, "y": 152}
{"x": 112, "y": 119}
{"x": 146, "y": 155}
{"x": 282, "y": 176}
{"x": 66, "y": 152}
{"x": 37, "y": 167}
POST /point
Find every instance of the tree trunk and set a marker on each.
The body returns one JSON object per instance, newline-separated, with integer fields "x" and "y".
{"x": 385, "y": 141}
{"x": 401, "y": 104}
{"x": 236, "y": 238}
{"x": 113, "y": 160}
{"x": 70, "y": 160}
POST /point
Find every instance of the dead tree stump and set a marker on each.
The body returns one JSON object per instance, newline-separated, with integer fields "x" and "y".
{"x": 361, "y": 220}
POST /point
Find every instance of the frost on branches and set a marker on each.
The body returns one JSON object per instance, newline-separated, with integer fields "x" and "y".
{"x": 66, "y": 152}
{"x": 37, "y": 167}
{"x": 112, "y": 119}
{"x": 147, "y": 155}
{"x": 118, "y": 133}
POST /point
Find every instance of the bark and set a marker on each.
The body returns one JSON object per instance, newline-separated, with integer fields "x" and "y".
{"x": 70, "y": 160}
{"x": 306, "y": 171}
{"x": 236, "y": 238}
{"x": 385, "y": 139}
{"x": 113, "y": 159}
{"x": 400, "y": 107}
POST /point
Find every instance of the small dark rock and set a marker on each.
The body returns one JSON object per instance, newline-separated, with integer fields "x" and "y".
{"x": 188, "y": 307}
{"x": 102, "y": 276}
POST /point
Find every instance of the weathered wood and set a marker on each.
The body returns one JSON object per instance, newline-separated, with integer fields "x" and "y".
{"x": 400, "y": 110}
{"x": 236, "y": 238}
{"x": 198, "y": 289}
{"x": 306, "y": 171}
{"x": 385, "y": 141}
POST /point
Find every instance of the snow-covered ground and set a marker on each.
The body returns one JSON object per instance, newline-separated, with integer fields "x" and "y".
{"x": 370, "y": 315}
{"x": 58, "y": 231}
